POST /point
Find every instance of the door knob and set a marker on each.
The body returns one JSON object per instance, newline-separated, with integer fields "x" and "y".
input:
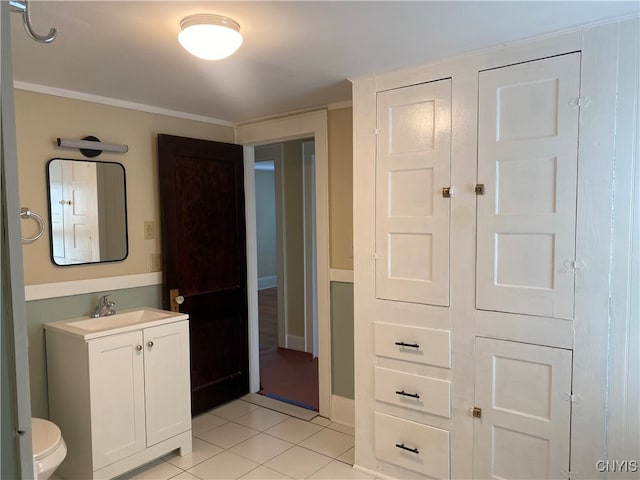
{"x": 175, "y": 299}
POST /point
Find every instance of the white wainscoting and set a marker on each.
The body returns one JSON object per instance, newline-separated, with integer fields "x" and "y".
{"x": 79, "y": 287}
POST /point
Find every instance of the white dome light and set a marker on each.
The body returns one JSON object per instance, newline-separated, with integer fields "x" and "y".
{"x": 210, "y": 37}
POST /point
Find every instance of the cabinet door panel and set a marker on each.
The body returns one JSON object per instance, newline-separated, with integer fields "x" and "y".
{"x": 527, "y": 160}
{"x": 525, "y": 425}
{"x": 116, "y": 380}
{"x": 412, "y": 218}
{"x": 166, "y": 368}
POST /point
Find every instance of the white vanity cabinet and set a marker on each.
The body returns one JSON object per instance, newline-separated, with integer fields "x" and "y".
{"x": 120, "y": 399}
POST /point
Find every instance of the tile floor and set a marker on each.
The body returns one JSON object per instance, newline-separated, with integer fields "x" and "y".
{"x": 242, "y": 440}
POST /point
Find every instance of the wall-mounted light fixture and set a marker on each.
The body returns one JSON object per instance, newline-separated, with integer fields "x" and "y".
{"x": 91, "y": 146}
{"x": 210, "y": 37}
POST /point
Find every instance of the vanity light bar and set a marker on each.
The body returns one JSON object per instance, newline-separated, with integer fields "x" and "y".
{"x": 91, "y": 145}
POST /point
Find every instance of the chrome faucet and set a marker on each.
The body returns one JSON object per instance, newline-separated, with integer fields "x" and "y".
{"x": 105, "y": 307}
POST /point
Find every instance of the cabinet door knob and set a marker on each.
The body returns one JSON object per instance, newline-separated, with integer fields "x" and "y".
{"x": 149, "y": 344}
{"x": 138, "y": 347}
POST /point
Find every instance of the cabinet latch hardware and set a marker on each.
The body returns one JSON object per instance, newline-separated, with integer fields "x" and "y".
{"x": 448, "y": 192}
{"x": 477, "y": 412}
{"x": 479, "y": 189}
{"x": 376, "y": 131}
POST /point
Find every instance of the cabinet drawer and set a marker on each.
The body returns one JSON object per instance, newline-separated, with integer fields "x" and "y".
{"x": 413, "y": 344}
{"x": 411, "y": 445}
{"x": 425, "y": 394}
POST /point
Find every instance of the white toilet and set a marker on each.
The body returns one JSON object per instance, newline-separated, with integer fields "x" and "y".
{"x": 49, "y": 448}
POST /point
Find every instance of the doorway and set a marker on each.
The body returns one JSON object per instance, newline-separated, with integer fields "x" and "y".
{"x": 307, "y": 125}
{"x": 286, "y": 257}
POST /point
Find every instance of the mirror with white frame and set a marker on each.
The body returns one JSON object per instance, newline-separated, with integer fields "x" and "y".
{"x": 87, "y": 211}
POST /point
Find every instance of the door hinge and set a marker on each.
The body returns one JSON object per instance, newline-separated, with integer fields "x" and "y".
{"x": 479, "y": 189}
{"x": 580, "y": 102}
{"x": 573, "y": 264}
{"x": 571, "y": 397}
{"x": 476, "y": 412}
{"x": 448, "y": 192}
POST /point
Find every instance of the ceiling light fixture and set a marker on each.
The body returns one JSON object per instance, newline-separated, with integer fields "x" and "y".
{"x": 208, "y": 36}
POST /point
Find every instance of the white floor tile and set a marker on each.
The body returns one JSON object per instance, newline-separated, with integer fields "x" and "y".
{"x": 228, "y": 435}
{"x": 234, "y": 409}
{"x": 201, "y": 451}
{"x": 329, "y": 442}
{"x": 294, "y": 430}
{"x": 185, "y": 476}
{"x": 339, "y": 471}
{"x": 322, "y": 421}
{"x": 261, "y": 448}
{"x": 225, "y": 466}
{"x": 338, "y": 427}
{"x": 158, "y": 470}
{"x": 264, "y": 473}
{"x": 348, "y": 457}
{"x": 298, "y": 462}
{"x": 205, "y": 422}
{"x": 261, "y": 419}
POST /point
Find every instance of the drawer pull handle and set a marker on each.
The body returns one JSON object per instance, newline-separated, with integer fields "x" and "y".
{"x": 405, "y": 394}
{"x": 402, "y": 446}
{"x": 410, "y": 345}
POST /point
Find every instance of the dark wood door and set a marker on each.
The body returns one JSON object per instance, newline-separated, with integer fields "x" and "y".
{"x": 204, "y": 258}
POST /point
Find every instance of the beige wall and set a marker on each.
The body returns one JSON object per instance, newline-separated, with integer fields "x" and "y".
{"x": 41, "y": 118}
{"x": 341, "y": 187}
{"x": 292, "y": 195}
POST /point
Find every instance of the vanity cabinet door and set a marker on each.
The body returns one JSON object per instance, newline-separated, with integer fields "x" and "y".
{"x": 116, "y": 383}
{"x": 166, "y": 369}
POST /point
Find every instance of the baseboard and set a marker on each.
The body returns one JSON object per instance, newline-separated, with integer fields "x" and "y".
{"x": 295, "y": 342}
{"x": 343, "y": 410}
{"x": 267, "y": 282}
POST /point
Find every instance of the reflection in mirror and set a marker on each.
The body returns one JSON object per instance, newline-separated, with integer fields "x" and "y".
{"x": 87, "y": 211}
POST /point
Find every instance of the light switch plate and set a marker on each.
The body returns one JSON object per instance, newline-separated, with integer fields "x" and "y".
{"x": 149, "y": 230}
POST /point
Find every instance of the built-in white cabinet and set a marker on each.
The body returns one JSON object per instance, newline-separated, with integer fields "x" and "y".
{"x": 120, "y": 400}
{"x": 473, "y": 253}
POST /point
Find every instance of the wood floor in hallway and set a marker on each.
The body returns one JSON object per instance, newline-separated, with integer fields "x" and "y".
{"x": 287, "y": 375}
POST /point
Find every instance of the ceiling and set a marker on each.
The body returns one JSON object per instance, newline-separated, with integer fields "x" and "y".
{"x": 295, "y": 56}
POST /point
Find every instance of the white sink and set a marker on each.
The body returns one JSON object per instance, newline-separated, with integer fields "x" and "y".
{"x": 120, "y": 322}
{"x": 120, "y": 319}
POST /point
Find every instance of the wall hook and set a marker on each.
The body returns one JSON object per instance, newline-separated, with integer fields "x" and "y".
{"x": 22, "y": 6}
